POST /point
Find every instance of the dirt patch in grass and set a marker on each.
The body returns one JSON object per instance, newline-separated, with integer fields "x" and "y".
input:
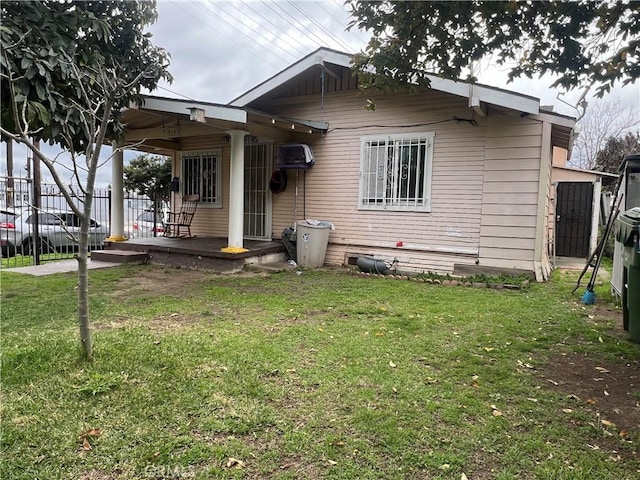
{"x": 604, "y": 395}
{"x": 160, "y": 281}
{"x": 157, "y": 281}
{"x": 610, "y": 389}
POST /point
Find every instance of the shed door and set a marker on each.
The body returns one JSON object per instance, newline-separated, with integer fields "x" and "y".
{"x": 574, "y": 204}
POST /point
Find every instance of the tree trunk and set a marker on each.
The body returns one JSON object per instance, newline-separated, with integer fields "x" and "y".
{"x": 83, "y": 263}
{"x": 83, "y": 295}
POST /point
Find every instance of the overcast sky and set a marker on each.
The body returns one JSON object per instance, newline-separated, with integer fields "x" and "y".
{"x": 221, "y": 49}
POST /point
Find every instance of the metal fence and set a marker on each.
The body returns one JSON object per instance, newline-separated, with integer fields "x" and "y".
{"x": 30, "y": 235}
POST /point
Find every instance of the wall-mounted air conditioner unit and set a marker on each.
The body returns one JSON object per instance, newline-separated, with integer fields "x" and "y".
{"x": 294, "y": 155}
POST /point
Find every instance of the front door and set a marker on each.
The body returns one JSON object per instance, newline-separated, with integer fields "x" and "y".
{"x": 574, "y": 205}
{"x": 257, "y": 197}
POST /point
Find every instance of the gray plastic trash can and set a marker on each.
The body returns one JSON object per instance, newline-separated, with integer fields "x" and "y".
{"x": 312, "y": 243}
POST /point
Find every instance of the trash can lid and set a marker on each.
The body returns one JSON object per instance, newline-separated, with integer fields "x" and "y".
{"x": 628, "y": 226}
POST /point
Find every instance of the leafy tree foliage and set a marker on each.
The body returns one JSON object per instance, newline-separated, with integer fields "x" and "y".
{"x": 57, "y": 52}
{"x": 67, "y": 70}
{"x": 615, "y": 149}
{"x": 149, "y": 175}
{"x": 582, "y": 42}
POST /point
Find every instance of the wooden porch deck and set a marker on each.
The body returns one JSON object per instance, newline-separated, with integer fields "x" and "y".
{"x": 202, "y": 252}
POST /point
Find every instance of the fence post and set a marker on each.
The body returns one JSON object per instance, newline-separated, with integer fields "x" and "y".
{"x": 36, "y": 206}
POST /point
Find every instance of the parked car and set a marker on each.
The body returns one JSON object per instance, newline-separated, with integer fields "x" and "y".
{"x": 144, "y": 225}
{"x": 57, "y": 231}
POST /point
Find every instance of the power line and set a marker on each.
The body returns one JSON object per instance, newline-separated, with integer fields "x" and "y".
{"x": 305, "y": 34}
{"x": 176, "y": 93}
{"x": 208, "y": 25}
{"x": 331, "y": 35}
{"x": 252, "y": 40}
{"x": 257, "y": 31}
{"x": 358, "y": 37}
{"x": 278, "y": 29}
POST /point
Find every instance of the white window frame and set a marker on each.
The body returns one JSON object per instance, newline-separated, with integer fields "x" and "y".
{"x": 188, "y": 185}
{"x": 382, "y": 190}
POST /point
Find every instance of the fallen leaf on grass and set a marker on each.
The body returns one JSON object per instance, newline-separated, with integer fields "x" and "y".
{"x": 331, "y": 462}
{"x": 526, "y": 365}
{"x": 84, "y": 438}
{"x": 600, "y": 340}
{"x": 235, "y": 463}
{"x": 607, "y": 423}
{"x": 488, "y": 349}
{"x": 444, "y": 466}
{"x": 94, "y": 432}
{"x": 496, "y": 413}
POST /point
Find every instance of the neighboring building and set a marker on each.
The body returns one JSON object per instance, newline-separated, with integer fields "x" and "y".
{"x": 454, "y": 179}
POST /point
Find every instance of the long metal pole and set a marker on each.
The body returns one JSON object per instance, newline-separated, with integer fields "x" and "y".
{"x": 10, "y": 183}
{"x": 37, "y": 180}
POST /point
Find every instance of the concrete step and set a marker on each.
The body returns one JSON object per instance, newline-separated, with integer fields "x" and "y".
{"x": 119, "y": 256}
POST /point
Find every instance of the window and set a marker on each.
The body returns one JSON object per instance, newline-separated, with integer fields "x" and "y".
{"x": 395, "y": 172}
{"x": 202, "y": 175}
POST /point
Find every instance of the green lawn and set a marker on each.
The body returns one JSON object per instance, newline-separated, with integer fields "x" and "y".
{"x": 321, "y": 375}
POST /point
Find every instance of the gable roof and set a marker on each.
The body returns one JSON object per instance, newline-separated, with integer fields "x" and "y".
{"x": 476, "y": 93}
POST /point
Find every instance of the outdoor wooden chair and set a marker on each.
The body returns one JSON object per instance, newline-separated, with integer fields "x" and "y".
{"x": 181, "y": 218}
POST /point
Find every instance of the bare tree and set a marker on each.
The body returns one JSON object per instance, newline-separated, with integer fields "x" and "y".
{"x": 602, "y": 121}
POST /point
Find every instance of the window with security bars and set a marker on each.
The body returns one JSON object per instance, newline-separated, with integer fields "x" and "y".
{"x": 395, "y": 172}
{"x": 201, "y": 174}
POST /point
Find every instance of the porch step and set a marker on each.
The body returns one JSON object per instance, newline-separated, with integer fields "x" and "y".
{"x": 119, "y": 256}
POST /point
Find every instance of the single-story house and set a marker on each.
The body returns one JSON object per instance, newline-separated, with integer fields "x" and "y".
{"x": 453, "y": 179}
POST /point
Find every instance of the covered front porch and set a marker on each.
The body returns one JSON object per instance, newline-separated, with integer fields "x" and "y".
{"x": 223, "y": 155}
{"x": 195, "y": 252}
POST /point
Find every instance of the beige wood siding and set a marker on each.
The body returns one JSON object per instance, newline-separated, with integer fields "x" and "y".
{"x": 510, "y": 192}
{"x": 208, "y": 220}
{"x": 433, "y": 240}
{"x": 484, "y": 189}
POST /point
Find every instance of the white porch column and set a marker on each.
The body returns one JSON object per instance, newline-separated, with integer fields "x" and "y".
{"x": 236, "y": 193}
{"x": 117, "y": 195}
